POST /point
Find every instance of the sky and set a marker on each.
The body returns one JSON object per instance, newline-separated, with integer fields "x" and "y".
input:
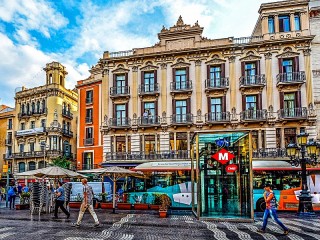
{"x": 77, "y": 32}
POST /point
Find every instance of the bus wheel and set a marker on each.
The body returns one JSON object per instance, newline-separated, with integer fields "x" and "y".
{"x": 261, "y": 205}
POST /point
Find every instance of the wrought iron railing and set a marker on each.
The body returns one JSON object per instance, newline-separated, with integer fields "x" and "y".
{"x": 217, "y": 117}
{"x": 66, "y": 113}
{"x": 181, "y": 86}
{"x": 254, "y": 115}
{"x": 301, "y": 112}
{"x": 149, "y": 120}
{"x": 269, "y": 153}
{"x": 34, "y": 112}
{"x": 88, "y": 141}
{"x": 118, "y": 91}
{"x": 148, "y": 88}
{"x": 89, "y": 100}
{"x": 120, "y": 122}
{"x": 291, "y": 77}
{"x": 216, "y": 83}
{"x": 182, "y": 118}
{"x": 252, "y": 80}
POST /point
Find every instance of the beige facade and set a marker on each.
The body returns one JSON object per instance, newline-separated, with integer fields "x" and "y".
{"x": 158, "y": 96}
{"x": 46, "y": 122}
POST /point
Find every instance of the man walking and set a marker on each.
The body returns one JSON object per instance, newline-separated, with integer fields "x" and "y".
{"x": 60, "y": 201}
{"x": 271, "y": 210}
{"x": 87, "y": 203}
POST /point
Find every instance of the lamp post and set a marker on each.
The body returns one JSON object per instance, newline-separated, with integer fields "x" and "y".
{"x": 308, "y": 151}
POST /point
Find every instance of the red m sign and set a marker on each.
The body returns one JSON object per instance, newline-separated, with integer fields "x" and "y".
{"x": 223, "y": 156}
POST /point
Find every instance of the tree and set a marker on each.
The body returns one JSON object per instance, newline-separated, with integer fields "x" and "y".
{"x": 61, "y": 162}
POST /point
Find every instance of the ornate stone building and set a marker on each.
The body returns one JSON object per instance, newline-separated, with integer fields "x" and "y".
{"x": 156, "y": 97}
{"x": 45, "y": 122}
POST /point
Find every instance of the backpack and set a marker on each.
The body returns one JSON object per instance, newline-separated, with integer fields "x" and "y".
{"x": 11, "y": 191}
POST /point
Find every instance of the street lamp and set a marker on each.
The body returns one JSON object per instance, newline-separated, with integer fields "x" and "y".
{"x": 309, "y": 151}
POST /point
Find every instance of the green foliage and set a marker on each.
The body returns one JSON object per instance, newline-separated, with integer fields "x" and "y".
{"x": 25, "y": 197}
{"x": 165, "y": 202}
{"x": 61, "y": 162}
{"x": 156, "y": 198}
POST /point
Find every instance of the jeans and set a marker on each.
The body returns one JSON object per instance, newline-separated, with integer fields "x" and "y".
{"x": 92, "y": 212}
{"x": 12, "y": 200}
{"x": 273, "y": 214}
{"x": 60, "y": 203}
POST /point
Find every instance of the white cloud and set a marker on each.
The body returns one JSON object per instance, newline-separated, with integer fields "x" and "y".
{"x": 27, "y": 15}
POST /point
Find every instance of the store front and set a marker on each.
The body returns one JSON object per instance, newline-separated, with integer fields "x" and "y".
{"x": 223, "y": 176}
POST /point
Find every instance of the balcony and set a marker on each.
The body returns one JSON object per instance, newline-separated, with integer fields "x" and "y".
{"x": 67, "y": 114}
{"x": 253, "y": 115}
{"x": 28, "y": 114}
{"x": 182, "y": 119}
{"x": 119, "y": 91}
{"x": 291, "y": 78}
{"x": 8, "y": 142}
{"x": 148, "y": 156}
{"x": 67, "y": 133}
{"x": 89, "y": 166}
{"x": 7, "y": 156}
{"x": 269, "y": 153}
{"x": 89, "y": 100}
{"x": 217, "y": 117}
{"x": 183, "y": 86}
{"x": 148, "y": 89}
{"x": 149, "y": 121}
{"x": 34, "y": 154}
{"x": 30, "y": 132}
{"x": 89, "y": 120}
{"x": 119, "y": 122}
{"x": 216, "y": 84}
{"x": 88, "y": 141}
{"x": 293, "y": 113}
{"x": 252, "y": 81}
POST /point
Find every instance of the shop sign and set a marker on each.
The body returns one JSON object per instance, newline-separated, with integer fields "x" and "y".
{"x": 223, "y": 156}
{"x": 231, "y": 168}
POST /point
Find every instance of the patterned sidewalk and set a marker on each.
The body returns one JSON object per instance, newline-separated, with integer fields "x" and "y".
{"x": 147, "y": 225}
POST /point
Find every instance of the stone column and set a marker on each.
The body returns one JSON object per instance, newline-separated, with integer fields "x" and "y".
{"x": 265, "y": 25}
{"x": 105, "y": 93}
{"x": 134, "y": 90}
{"x": 233, "y": 85}
{"x": 259, "y": 139}
{"x": 307, "y": 67}
{"x": 198, "y": 83}
{"x": 282, "y": 138}
{"x": 276, "y": 23}
{"x": 292, "y": 26}
{"x": 269, "y": 82}
{"x": 126, "y": 143}
{"x": 175, "y": 141}
{"x": 163, "y": 85}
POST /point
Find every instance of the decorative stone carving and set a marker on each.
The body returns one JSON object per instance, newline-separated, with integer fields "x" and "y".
{"x": 163, "y": 66}
{"x": 149, "y": 68}
{"x": 134, "y": 69}
{"x": 215, "y": 60}
{"x": 307, "y": 52}
{"x": 198, "y": 62}
{"x": 180, "y": 44}
{"x": 105, "y": 120}
{"x": 287, "y": 54}
{"x": 268, "y": 55}
{"x": 232, "y": 59}
{"x": 120, "y": 69}
{"x": 234, "y": 114}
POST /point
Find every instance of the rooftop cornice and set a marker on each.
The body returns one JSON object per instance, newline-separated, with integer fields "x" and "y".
{"x": 282, "y": 4}
{"x": 87, "y": 82}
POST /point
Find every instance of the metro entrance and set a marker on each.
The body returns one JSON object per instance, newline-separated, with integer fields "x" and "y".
{"x": 223, "y": 176}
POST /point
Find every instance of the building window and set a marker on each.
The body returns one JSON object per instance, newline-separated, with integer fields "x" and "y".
{"x": 22, "y": 109}
{"x": 9, "y": 124}
{"x": 251, "y": 102}
{"x": 32, "y": 165}
{"x": 250, "y": 73}
{"x": 28, "y": 108}
{"x": 89, "y": 133}
{"x": 290, "y": 135}
{"x": 121, "y": 84}
{"x": 287, "y": 68}
{"x": 89, "y": 114}
{"x": 181, "y": 111}
{"x": 33, "y": 107}
{"x": 89, "y": 96}
{"x": 271, "y": 24}
{"x": 149, "y": 112}
{"x": 31, "y": 147}
{"x": 284, "y": 23}
{"x": 32, "y": 124}
{"x": 149, "y": 144}
{"x": 43, "y": 123}
{"x": 43, "y": 106}
{"x": 21, "y": 148}
{"x": 22, "y": 126}
{"x": 297, "y": 23}
{"x": 120, "y": 144}
{"x": 149, "y": 82}
{"x": 9, "y": 151}
{"x": 38, "y": 106}
{"x": 215, "y": 76}
{"x": 22, "y": 167}
{"x": 87, "y": 160}
{"x": 180, "y": 79}
{"x": 54, "y": 142}
{"x": 121, "y": 114}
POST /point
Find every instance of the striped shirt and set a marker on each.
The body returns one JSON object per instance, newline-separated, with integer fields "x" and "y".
{"x": 88, "y": 189}
{"x": 270, "y": 203}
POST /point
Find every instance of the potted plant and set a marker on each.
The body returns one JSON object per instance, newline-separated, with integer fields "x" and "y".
{"x": 106, "y": 203}
{"x": 140, "y": 201}
{"x": 24, "y": 201}
{"x": 122, "y": 202}
{"x": 76, "y": 202}
{"x": 165, "y": 204}
{"x": 156, "y": 201}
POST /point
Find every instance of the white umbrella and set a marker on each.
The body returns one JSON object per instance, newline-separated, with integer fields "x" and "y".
{"x": 115, "y": 173}
{"x": 57, "y": 172}
{"x": 27, "y": 173}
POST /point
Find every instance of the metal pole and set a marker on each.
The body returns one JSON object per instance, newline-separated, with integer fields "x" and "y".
{"x": 7, "y": 195}
{"x": 305, "y": 202}
{"x": 114, "y": 196}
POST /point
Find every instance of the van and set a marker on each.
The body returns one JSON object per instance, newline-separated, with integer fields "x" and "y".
{"x": 77, "y": 190}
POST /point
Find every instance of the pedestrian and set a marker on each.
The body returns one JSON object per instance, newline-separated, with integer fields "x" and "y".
{"x": 12, "y": 193}
{"x": 60, "y": 201}
{"x": 271, "y": 210}
{"x": 3, "y": 191}
{"x": 25, "y": 189}
{"x": 87, "y": 203}
{"x": 19, "y": 190}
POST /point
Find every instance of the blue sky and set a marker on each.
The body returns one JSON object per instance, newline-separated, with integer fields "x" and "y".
{"x": 77, "y": 32}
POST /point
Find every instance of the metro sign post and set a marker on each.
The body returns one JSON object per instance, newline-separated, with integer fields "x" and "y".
{"x": 223, "y": 156}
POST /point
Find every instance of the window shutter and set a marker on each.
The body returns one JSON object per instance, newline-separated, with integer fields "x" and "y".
{"x": 189, "y": 105}
{"x": 280, "y": 60}
{"x": 243, "y": 102}
{"x": 281, "y": 97}
{"x": 173, "y": 106}
{"x": 243, "y": 69}
{"x": 224, "y": 101}
{"x": 298, "y": 99}
{"x": 296, "y": 64}
{"x": 258, "y": 67}
{"x": 155, "y": 76}
{"x": 142, "y": 77}
{"x": 209, "y": 104}
{"x": 223, "y": 70}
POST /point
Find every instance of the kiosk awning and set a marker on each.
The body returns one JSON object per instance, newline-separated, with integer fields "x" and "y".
{"x": 164, "y": 166}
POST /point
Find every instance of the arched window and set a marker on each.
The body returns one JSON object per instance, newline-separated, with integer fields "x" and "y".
{"x": 33, "y": 107}
{"x": 42, "y": 164}
{"x": 38, "y": 106}
{"x": 28, "y": 108}
{"x": 22, "y": 109}
{"x": 43, "y": 105}
{"x": 32, "y": 165}
{"x": 50, "y": 78}
{"x": 64, "y": 126}
{"x": 22, "y": 167}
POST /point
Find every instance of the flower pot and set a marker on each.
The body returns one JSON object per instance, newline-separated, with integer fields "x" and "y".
{"x": 162, "y": 214}
{"x": 22, "y": 206}
{"x": 141, "y": 206}
{"x": 106, "y": 205}
{"x": 154, "y": 207}
{"x": 124, "y": 206}
{"x": 96, "y": 205}
{"x": 74, "y": 204}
